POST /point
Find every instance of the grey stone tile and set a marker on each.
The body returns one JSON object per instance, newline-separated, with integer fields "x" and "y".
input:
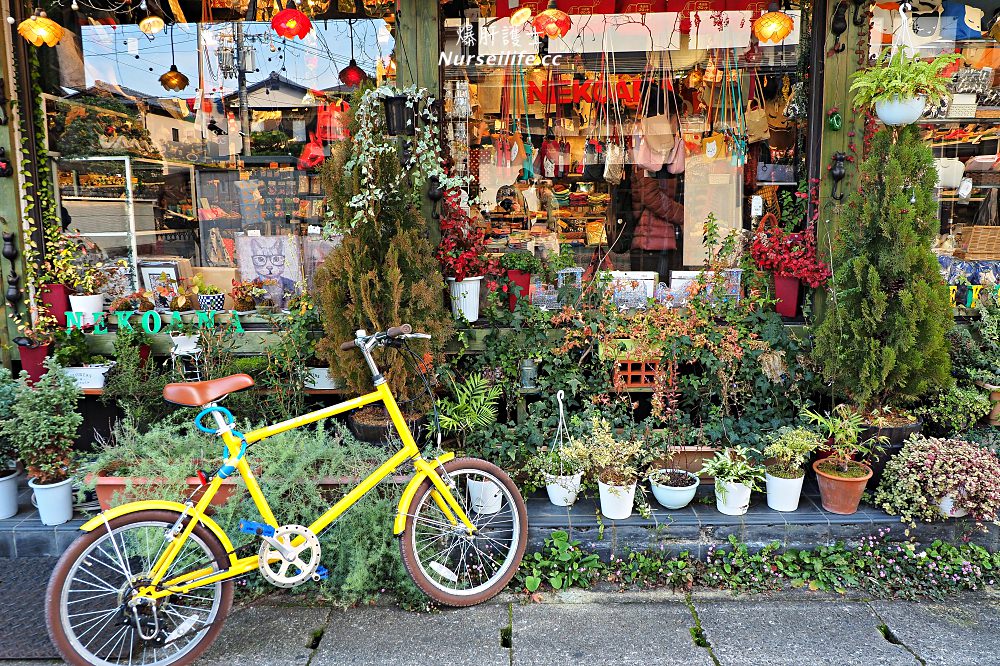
{"x": 258, "y": 635}
{"x": 807, "y": 535}
{"x": 956, "y": 633}
{"x": 35, "y": 542}
{"x": 7, "y": 548}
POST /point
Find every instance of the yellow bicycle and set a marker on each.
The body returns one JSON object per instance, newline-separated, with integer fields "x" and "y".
{"x": 151, "y": 582}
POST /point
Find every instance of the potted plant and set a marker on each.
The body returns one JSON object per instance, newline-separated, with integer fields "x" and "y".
{"x": 73, "y": 355}
{"x": 975, "y": 350}
{"x": 242, "y": 294}
{"x": 37, "y": 333}
{"x": 791, "y": 258}
{"x": 43, "y": 428}
{"x": 840, "y": 477}
{"x": 736, "y": 476}
{"x": 615, "y": 459}
{"x": 8, "y": 453}
{"x": 673, "y": 488}
{"x": 58, "y": 272}
{"x": 135, "y": 302}
{"x": 934, "y": 478}
{"x": 899, "y": 85}
{"x": 89, "y": 286}
{"x": 519, "y": 266}
{"x": 789, "y": 448}
{"x": 462, "y": 255}
{"x": 261, "y": 295}
{"x": 560, "y": 469}
{"x": 210, "y": 297}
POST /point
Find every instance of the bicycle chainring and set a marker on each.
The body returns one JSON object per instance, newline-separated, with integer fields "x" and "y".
{"x": 304, "y": 552}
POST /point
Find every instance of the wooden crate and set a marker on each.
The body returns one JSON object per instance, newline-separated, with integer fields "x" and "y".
{"x": 978, "y": 242}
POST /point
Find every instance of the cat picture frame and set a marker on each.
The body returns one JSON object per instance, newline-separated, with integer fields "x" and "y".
{"x": 162, "y": 278}
{"x": 274, "y": 259}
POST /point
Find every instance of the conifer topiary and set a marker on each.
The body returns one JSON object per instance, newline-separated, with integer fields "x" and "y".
{"x": 882, "y": 339}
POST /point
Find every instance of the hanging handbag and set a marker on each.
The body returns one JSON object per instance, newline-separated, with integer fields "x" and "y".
{"x": 756, "y": 116}
{"x": 312, "y": 153}
{"x": 713, "y": 144}
{"x": 658, "y": 128}
{"x": 950, "y": 171}
{"x": 643, "y": 155}
{"x": 614, "y": 155}
{"x": 593, "y": 161}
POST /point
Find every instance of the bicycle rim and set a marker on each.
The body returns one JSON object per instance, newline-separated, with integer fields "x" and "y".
{"x": 446, "y": 556}
{"x": 92, "y": 611}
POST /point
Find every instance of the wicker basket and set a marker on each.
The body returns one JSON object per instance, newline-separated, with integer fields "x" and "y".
{"x": 962, "y": 106}
{"x": 988, "y": 112}
{"x": 977, "y": 243}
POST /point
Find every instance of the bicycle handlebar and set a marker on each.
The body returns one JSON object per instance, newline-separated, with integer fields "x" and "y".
{"x": 394, "y": 332}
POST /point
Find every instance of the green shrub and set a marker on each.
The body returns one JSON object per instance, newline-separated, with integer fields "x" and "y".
{"x": 955, "y": 410}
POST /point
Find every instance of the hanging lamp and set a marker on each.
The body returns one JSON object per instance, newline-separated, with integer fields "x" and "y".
{"x": 39, "y": 29}
{"x": 520, "y": 16}
{"x": 774, "y": 26}
{"x": 151, "y": 25}
{"x": 352, "y": 75}
{"x": 553, "y": 22}
{"x": 291, "y": 22}
{"x": 173, "y": 79}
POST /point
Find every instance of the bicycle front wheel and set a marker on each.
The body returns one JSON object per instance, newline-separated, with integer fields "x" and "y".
{"x": 449, "y": 565}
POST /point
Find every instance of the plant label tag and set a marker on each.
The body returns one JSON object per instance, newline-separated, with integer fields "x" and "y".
{"x": 253, "y": 233}
{"x": 756, "y": 206}
{"x": 314, "y": 230}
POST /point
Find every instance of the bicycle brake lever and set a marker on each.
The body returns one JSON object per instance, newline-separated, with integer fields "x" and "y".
{"x": 416, "y": 336}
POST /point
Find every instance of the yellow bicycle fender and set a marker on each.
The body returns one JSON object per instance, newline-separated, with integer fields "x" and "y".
{"x": 408, "y": 494}
{"x": 163, "y": 505}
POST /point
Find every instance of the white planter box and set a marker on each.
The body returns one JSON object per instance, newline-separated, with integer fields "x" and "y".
{"x": 90, "y": 376}
{"x": 86, "y": 305}
{"x": 320, "y": 378}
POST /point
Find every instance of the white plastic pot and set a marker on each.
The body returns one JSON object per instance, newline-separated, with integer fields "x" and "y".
{"x": 563, "y": 490}
{"x": 465, "y": 297}
{"x": 898, "y": 111}
{"x": 783, "y": 494}
{"x": 485, "y": 496}
{"x": 54, "y": 501}
{"x": 616, "y": 501}
{"x": 731, "y": 498}
{"x": 87, "y": 306}
{"x": 8, "y": 493}
{"x": 320, "y": 378}
{"x": 90, "y": 376}
{"x": 673, "y": 497}
{"x": 948, "y": 510}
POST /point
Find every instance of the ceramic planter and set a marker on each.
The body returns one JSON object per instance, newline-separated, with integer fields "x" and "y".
{"x": 124, "y": 487}
{"x": 90, "y": 376}
{"x": 523, "y": 281}
{"x": 786, "y": 291}
{"x": 54, "y": 500}
{"x": 995, "y": 399}
{"x": 675, "y": 497}
{"x": 86, "y": 305}
{"x": 211, "y": 302}
{"x": 320, "y": 378}
{"x": 948, "y": 510}
{"x": 783, "y": 494}
{"x": 55, "y": 297}
{"x": 838, "y": 494}
{"x": 465, "y": 297}
{"x": 732, "y": 498}
{"x": 898, "y": 111}
{"x": 485, "y": 497}
{"x": 382, "y": 433}
{"x": 8, "y": 493}
{"x": 33, "y": 361}
{"x": 895, "y": 436}
{"x": 616, "y": 501}
{"x": 563, "y": 490}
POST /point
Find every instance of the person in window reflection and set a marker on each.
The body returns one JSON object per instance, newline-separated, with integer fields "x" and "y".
{"x": 659, "y": 217}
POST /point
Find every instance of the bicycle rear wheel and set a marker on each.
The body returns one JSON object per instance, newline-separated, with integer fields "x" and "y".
{"x": 450, "y": 566}
{"x": 86, "y": 608}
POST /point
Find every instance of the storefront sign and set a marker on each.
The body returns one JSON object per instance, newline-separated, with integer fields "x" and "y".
{"x": 572, "y": 91}
{"x": 151, "y": 321}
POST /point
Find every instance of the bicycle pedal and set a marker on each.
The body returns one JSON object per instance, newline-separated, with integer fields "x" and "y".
{"x": 321, "y": 573}
{"x": 257, "y": 529}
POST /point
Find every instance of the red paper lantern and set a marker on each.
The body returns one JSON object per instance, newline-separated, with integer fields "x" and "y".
{"x": 290, "y": 22}
{"x": 352, "y": 75}
{"x": 553, "y": 22}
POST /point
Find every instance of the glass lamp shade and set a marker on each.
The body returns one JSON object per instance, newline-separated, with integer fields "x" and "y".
{"x": 39, "y": 29}
{"x": 398, "y": 117}
{"x": 352, "y": 75}
{"x": 174, "y": 80}
{"x": 151, "y": 25}
{"x": 773, "y": 27}
{"x": 289, "y": 23}
{"x": 520, "y": 16}
{"x": 553, "y": 22}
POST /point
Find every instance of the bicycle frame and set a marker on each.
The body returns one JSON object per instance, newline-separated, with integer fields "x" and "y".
{"x": 239, "y": 566}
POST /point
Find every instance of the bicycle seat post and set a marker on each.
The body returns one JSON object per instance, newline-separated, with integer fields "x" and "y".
{"x": 220, "y": 420}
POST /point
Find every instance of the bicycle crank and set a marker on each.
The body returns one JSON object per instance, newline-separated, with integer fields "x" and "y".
{"x": 290, "y": 556}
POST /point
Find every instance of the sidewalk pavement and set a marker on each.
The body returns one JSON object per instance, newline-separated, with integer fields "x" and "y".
{"x": 704, "y": 629}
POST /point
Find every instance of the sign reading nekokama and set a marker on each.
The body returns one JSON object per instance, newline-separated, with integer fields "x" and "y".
{"x": 152, "y": 322}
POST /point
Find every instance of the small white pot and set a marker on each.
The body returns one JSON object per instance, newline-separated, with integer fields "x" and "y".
{"x": 54, "y": 501}
{"x": 672, "y": 497}
{"x": 783, "y": 494}
{"x": 90, "y": 376}
{"x": 563, "y": 490}
{"x": 485, "y": 496}
{"x": 616, "y": 501}
{"x": 948, "y": 510}
{"x": 8, "y": 494}
{"x": 732, "y": 499}
{"x": 87, "y": 306}
{"x": 898, "y": 111}
{"x": 320, "y": 378}
{"x": 465, "y": 297}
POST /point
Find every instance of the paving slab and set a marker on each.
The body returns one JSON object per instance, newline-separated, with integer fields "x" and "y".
{"x": 751, "y": 632}
{"x": 22, "y": 612}
{"x": 953, "y": 633}
{"x": 259, "y": 635}
{"x": 596, "y": 634}
{"x": 377, "y": 636}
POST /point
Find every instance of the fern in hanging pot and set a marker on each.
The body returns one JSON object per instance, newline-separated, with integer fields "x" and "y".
{"x": 898, "y": 85}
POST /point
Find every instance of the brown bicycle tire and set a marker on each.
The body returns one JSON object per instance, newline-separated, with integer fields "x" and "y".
{"x": 58, "y": 579}
{"x": 406, "y": 540}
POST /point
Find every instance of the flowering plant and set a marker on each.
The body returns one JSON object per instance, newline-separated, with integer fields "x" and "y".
{"x": 929, "y": 469}
{"x": 462, "y": 250}
{"x": 38, "y": 329}
{"x": 789, "y": 254}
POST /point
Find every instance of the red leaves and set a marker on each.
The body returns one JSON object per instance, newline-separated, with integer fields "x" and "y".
{"x": 789, "y": 254}
{"x": 462, "y": 250}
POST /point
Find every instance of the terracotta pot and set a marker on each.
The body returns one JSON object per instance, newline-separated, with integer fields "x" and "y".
{"x": 523, "y": 281}
{"x": 840, "y": 495}
{"x": 55, "y": 297}
{"x": 995, "y": 399}
{"x": 786, "y": 290}
{"x": 33, "y": 361}
{"x": 107, "y": 486}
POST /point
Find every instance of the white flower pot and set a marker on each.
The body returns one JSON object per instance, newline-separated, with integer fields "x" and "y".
{"x": 8, "y": 494}
{"x": 948, "y": 510}
{"x": 898, "y": 111}
{"x": 485, "y": 496}
{"x": 563, "y": 490}
{"x": 54, "y": 501}
{"x": 732, "y": 499}
{"x": 616, "y": 501}
{"x": 90, "y": 376}
{"x": 783, "y": 494}
{"x": 320, "y": 378}
{"x": 672, "y": 497}
{"x": 87, "y": 306}
{"x": 465, "y": 297}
